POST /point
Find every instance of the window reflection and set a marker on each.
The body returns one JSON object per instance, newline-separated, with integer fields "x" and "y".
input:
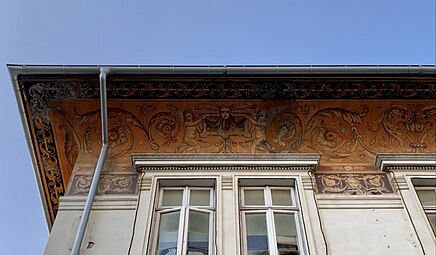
{"x": 168, "y": 233}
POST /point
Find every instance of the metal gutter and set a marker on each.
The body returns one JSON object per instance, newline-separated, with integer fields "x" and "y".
{"x": 98, "y": 169}
{"x": 228, "y": 70}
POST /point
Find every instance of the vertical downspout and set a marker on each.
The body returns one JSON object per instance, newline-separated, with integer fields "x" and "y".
{"x": 99, "y": 167}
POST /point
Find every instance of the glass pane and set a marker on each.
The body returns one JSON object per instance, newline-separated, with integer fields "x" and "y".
{"x": 257, "y": 234}
{"x": 198, "y": 233}
{"x": 286, "y": 233}
{"x": 199, "y": 197}
{"x": 427, "y": 197}
{"x": 254, "y": 197}
{"x": 172, "y": 197}
{"x": 281, "y": 197}
{"x": 432, "y": 218}
{"x": 168, "y": 233}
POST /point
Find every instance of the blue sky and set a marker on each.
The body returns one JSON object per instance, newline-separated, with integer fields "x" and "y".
{"x": 194, "y": 32}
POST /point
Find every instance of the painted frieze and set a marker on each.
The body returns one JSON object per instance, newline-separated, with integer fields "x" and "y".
{"x": 353, "y": 183}
{"x": 109, "y": 184}
{"x": 342, "y": 132}
{"x": 348, "y": 121}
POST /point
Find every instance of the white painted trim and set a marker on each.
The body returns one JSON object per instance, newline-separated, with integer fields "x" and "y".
{"x": 406, "y": 161}
{"x": 413, "y": 163}
{"x": 359, "y": 201}
{"x": 77, "y": 203}
{"x": 225, "y": 162}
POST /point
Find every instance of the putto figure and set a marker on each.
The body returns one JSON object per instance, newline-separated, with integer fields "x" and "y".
{"x": 191, "y": 128}
{"x": 260, "y": 124}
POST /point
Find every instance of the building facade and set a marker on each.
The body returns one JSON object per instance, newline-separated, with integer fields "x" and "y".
{"x": 236, "y": 160}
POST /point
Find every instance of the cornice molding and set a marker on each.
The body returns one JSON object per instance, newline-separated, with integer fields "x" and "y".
{"x": 225, "y": 162}
{"x": 236, "y": 88}
{"x": 406, "y": 161}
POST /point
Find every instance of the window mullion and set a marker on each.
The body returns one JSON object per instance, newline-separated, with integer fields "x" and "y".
{"x": 184, "y": 230}
{"x": 271, "y": 232}
{"x": 244, "y": 230}
{"x": 267, "y": 195}
{"x": 184, "y": 222}
{"x": 270, "y": 221}
{"x": 211, "y": 233}
{"x": 300, "y": 233}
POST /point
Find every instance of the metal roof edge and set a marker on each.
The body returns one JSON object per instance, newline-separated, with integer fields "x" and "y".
{"x": 29, "y": 142}
{"x": 16, "y": 70}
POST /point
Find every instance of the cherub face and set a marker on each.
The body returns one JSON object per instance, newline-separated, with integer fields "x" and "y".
{"x": 353, "y": 183}
{"x": 188, "y": 117}
{"x": 262, "y": 117}
{"x": 225, "y": 113}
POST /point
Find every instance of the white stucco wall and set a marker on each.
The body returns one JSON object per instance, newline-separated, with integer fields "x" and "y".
{"x": 376, "y": 225}
{"x": 109, "y": 229}
{"x": 353, "y": 224}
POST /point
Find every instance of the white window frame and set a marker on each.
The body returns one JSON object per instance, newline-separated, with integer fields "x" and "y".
{"x": 186, "y": 186}
{"x": 225, "y": 169}
{"x": 418, "y": 185}
{"x": 269, "y": 209}
{"x": 405, "y": 170}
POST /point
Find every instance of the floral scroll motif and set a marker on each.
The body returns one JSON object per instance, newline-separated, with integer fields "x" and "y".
{"x": 353, "y": 184}
{"x": 164, "y": 126}
{"x": 333, "y": 131}
{"x": 120, "y": 131}
{"x": 408, "y": 125}
{"x": 39, "y": 94}
{"x": 288, "y": 130}
{"x": 109, "y": 184}
{"x": 273, "y": 89}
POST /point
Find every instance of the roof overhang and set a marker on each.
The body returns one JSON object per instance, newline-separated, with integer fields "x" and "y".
{"x": 20, "y": 73}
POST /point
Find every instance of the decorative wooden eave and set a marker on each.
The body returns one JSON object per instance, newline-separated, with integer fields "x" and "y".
{"x": 44, "y": 92}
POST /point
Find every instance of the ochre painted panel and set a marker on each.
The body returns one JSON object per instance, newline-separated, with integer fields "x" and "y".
{"x": 346, "y": 133}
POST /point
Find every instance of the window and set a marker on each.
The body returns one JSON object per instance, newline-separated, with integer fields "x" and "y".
{"x": 196, "y": 206}
{"x": 426, "y": 192}
{"x": 184, "y": 220}
{"x": 270, "y": 220}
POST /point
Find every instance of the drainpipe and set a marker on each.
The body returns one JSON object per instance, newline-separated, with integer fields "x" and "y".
{"x": 99, "y": 167}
